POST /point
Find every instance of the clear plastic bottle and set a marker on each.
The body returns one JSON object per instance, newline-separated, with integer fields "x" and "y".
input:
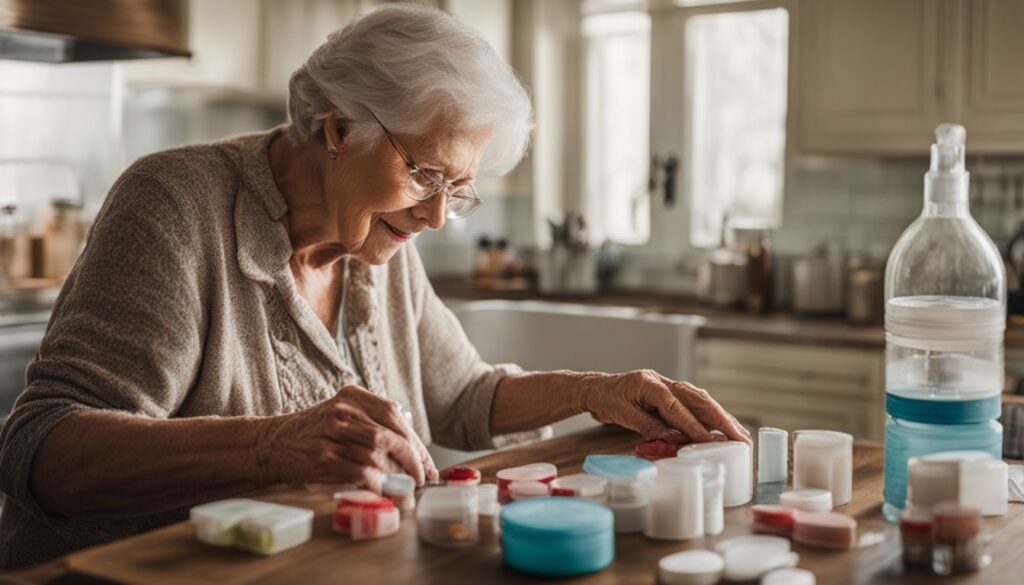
{"x": 945, "y": 315}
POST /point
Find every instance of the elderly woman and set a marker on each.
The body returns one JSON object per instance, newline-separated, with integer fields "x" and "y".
{"x": 252, "y": 312}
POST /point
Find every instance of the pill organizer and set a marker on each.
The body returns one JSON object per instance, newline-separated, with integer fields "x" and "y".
{"x": 274, "y": 528}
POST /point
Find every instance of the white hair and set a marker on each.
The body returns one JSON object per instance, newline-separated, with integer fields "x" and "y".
{"x": 412, "y": 66}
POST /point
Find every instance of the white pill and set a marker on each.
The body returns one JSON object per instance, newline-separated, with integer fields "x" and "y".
{"x": 692, "y": 567}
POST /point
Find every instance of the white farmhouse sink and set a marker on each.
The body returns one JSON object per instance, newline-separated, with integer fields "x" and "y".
{"x": 540, "y": 335}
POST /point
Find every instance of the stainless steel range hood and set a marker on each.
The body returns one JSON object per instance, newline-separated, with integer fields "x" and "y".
{"x": 61, "y": 31}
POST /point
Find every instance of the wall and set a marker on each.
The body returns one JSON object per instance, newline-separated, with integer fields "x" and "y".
{"x": 60, "y": 131}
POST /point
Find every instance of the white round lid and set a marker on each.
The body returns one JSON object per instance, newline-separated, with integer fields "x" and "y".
{"x": 690, "y": 567}
{"x": 746, "y": 562}
{"x": 528, "y": 489}
{"x": 789, "y": 577}
{"x": 581, "y": 485}
{"x": 531, "y": 472}
{"x": 809, "y": 499}
{"x": 778, "y": 542}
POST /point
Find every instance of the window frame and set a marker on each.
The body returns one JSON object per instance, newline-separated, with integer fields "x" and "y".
{"x": 671, "y": 226}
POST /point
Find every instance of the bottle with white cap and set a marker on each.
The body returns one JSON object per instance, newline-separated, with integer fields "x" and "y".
{"x": 945, "y": 315}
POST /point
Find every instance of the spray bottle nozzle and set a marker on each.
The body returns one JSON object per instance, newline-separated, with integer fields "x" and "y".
{"x": 948, "y": 151}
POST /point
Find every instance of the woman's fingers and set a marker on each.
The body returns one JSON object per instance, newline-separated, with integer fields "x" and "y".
{"x": 677, "y": 415}
{"x": 390, "y": 415}
{"x": 382, "y": 443}
{"x": 359, "y": 473}
{"x": 651, "y": 427}
{"x": 708, "y": 410}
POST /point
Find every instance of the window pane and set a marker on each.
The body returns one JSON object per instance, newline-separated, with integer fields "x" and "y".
{"x": 737, "y": 75}
{"x": 617, "y": 126}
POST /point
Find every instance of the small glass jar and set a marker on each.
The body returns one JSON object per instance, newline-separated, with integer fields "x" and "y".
{"x": 958, "y": 542}
{"x": 629, "y": 481}
{"x": 916, "y": 538}
{"x": 449, "y": 516}
{"x": 489, "y": 510}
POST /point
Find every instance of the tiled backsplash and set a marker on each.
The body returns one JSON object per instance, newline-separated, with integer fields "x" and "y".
{"x": 60, "y": 132}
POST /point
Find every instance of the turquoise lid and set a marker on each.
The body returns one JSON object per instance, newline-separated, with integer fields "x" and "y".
{"x": 622, "y": 468}
{"x": 943, "y": 412}
{"x": 554, "y": 518}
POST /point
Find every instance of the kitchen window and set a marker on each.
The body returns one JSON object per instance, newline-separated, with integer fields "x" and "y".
{"x": 617, "y": 56}
{"x": 736, "y": 84}
{"x": 719, "y": 104}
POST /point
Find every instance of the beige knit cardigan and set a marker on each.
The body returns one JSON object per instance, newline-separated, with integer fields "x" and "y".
{"x": 182, "y": 304}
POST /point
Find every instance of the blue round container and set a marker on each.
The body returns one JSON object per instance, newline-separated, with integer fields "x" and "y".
{"x": 557, "y": 537}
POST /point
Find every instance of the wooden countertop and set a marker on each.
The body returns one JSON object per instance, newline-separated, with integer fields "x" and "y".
{"x": 781, "y": 326}
{"x": 171, "y": 555}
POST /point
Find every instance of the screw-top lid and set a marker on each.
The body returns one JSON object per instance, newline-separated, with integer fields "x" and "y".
{"x": 554, "y": 518}
{"x": 620, "y": 468}
{"x": 448, "y": 502}
{"x": 944, "y": 323}
{"x": 532, "y": 472}
{"x": 579, "y": 485}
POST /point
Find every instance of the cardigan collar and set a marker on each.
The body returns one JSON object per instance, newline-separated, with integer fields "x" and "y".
{"x": 264, "y": 249}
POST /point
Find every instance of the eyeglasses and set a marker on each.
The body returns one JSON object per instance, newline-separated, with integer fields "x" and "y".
{"x": 423, "y": 184}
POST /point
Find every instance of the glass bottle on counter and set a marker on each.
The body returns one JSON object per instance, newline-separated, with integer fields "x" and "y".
{"x": 945, "y": 315}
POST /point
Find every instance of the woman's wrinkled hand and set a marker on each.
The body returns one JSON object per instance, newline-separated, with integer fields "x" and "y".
{"x": 659, "y": 408}
{"x": 355, "y": 437}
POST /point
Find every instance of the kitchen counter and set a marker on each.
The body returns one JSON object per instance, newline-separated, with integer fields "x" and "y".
{"x": 721, "y": 323}
{"x": 171, "y": 555}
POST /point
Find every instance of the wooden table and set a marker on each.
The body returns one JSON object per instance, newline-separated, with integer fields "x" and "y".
{"x": 172, "y": 556}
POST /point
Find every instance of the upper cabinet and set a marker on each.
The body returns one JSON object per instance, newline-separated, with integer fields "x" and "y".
{"x": 224, "y": 37}
{"x": 992, "y": 103}
{"x": 876, "y": 76}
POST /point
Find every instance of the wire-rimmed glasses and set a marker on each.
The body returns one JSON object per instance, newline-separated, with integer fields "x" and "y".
{"x": 423, "y": 184}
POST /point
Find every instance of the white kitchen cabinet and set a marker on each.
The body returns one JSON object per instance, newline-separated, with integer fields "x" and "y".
{"x": 225, "y": 40}
{"x": 794, "y": 386}
{"x": 292, "y": 29}
{"x": 248, "y": 48}
{"x": 873, "y": 75}
{"x": 992, "y": 105}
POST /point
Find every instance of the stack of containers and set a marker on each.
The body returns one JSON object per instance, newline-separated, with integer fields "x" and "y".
{"x": 945, "y": 317}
